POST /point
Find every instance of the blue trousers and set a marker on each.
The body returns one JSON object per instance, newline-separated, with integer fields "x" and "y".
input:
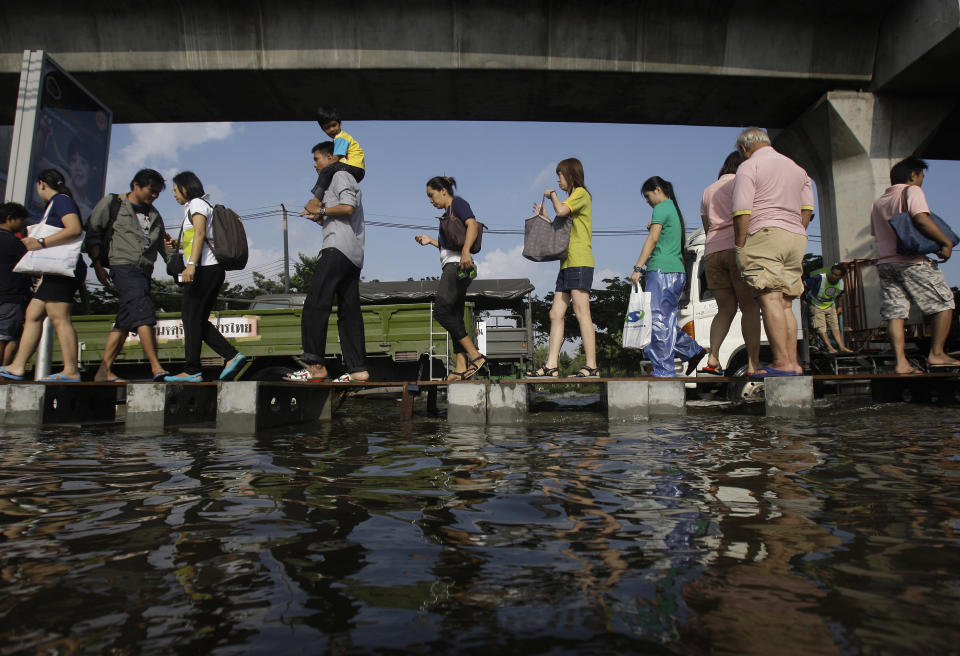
{"x": 667, "y": 340}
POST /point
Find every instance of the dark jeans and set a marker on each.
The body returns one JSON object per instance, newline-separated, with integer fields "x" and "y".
{"x": 336, "y": 278}
{"x": 324, "y": 177}
{"x": 199, "y": 297}
{"x": 449, "y": 304}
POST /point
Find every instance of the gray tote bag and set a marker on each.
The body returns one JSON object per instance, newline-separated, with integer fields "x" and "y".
{"x": 544, "y": 241}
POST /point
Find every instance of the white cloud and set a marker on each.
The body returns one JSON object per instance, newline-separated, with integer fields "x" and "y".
{"x": 511, "y": 264}
{"x": 158, "y": 145}
{"x": 544, "y": 179}
{"x": 598, "y": 277}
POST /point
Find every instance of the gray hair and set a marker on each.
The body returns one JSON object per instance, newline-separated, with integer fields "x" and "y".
{"x": 752, "y": 137}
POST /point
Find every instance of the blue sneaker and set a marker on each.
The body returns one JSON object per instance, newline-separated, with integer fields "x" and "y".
{"x": 184, "y": 378}
{"x": 233, "y": 366}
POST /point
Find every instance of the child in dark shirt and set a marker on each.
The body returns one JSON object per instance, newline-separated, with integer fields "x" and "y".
{"x": 14, "y": 287}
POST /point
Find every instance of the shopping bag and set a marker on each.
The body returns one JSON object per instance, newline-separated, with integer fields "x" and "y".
{"x": 60, "y": 259}
{"x": 910, "y": 240}
{"x": 544, "y": 240}
{"x": 638, "y": 324}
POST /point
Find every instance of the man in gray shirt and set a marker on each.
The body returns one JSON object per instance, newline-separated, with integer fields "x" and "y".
{"x": 130, "y": 229}
{"x": 336, "y": 280}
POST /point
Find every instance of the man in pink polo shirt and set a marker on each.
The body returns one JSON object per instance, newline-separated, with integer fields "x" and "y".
{"x": 772, "y": 206}
{"x": 911, "y": 278}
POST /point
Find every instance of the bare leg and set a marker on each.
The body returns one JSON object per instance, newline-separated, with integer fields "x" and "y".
{"x": 32, "y": 329}
{"x": 720, "y": 326}
{"x": 790, "y": 334}
{"x": 561, "y": 301}
{"x": 110, "y": 352}
{"x": 771, "y": 305}
{"x": 8, "y": 351}
{"x": 581, "y": 307}
{"x": 462, "y": 358}
{"x": 826, "y": 341}
{"x": 838, "y": 338}
{"x": 897, "y": 340}
{"x": 941, "y": 328}
{"x": 59, "y": 314}
{"x": 750, "y": 328}
{"x": 148, "y": 341}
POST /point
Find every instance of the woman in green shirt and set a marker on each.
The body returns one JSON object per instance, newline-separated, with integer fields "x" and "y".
{"x": 576, "y": 270}
{"x": 662, "y": 254}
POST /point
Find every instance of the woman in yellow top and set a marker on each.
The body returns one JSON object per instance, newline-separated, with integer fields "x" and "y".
{"x": 576, "y": 271}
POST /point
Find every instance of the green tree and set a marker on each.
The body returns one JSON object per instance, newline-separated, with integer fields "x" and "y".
{"x": 811, "y": 262}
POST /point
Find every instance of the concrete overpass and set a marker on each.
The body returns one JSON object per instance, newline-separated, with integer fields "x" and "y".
{"x": 851, "y": 85}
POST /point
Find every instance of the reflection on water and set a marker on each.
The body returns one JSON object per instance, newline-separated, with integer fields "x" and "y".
{"x": 703, "y": 535}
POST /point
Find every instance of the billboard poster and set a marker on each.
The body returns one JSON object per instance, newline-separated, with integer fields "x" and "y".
{"x": 72, "y": 135}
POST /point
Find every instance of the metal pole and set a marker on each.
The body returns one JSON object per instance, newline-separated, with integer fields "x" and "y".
{"x": 286, "y": 253}
{"x": 45, "y": 351}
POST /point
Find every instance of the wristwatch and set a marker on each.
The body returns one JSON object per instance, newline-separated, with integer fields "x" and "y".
{"x": 43, "y": 242}
{"x": 323, "y": 211}
{"x": 637, "y": 269}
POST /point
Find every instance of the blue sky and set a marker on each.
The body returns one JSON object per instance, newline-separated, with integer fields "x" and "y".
{"x": 501, "y": 169}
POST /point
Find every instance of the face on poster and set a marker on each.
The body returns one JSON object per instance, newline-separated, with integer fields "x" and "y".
{"x": 72, "y": 136}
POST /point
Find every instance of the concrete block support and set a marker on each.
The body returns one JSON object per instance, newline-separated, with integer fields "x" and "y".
{"x": 248, "y": 406}
{"x": 506, "y": 403}
{"x": 467, "y": 403}
{"x": 628, "y": 400}
{"x": 33, "y": 405}
{"x": 632, "y": 400}
{"x": 667, "y": 398}
{"x": 146, "y": 405}
{"x": 788, "y": 397}
{"x": 24, "y": 405}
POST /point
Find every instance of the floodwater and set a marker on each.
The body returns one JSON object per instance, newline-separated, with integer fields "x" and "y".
{"x": 567, "y": 535}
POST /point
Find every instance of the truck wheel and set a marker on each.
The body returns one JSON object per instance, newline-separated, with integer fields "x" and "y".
{"x": 746, "y": 391}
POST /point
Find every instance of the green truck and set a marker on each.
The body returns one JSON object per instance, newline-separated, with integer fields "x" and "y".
{"x": 403, "y": 339}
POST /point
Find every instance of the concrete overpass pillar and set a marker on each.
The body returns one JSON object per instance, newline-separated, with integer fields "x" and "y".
{"x": 847, "y": 142}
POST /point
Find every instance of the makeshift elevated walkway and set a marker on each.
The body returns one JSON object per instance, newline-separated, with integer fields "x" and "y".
{"x": 251, "y": 406}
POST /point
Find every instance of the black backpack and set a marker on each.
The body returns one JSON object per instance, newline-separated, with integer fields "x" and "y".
{"x": 115, "y": 203}
{"x": 229, "y": 239}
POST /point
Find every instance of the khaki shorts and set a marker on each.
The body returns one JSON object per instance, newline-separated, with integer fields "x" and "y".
{"x": 723, "y": 273}
{"x": 920, "y": 284}
{"x": 824, "y": 318}
{"x": 772, "y": 261}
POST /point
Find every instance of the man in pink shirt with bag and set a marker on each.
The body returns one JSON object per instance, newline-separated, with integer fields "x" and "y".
{"x": 906, "y": 279}
{"x": 772, "y": 206}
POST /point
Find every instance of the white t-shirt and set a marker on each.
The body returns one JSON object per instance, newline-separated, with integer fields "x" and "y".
{"x": 198, "y": 206}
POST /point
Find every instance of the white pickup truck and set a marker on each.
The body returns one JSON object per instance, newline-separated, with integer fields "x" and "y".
{"x": 698, "y": 306}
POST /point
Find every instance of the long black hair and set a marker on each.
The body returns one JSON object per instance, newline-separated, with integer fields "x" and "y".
{"x": 55, "y": 180}
{"x": 656, "y": 181}
{"x": 189, "y": 184}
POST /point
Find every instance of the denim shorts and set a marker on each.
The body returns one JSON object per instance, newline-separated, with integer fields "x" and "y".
{"x": 575, "y": 278}
{"x": 134, "y": 307}
{"x": 11, "y": 322}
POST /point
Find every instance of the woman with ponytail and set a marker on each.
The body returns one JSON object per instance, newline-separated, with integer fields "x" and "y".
{"x": 54, "y": 296}
{"x": 458, "y": 271}
{"x": 662, "y": 255}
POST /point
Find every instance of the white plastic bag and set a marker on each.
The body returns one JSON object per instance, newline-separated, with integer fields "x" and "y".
{"x": 60, "y": 259}
{"x": 638, "y": 324}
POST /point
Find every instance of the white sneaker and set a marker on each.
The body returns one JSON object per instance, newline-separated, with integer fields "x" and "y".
{"x": 302, "y": 376}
